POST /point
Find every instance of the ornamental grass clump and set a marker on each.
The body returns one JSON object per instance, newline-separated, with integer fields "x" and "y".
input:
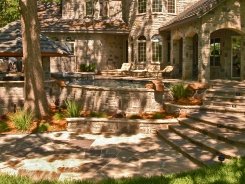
{"x": 73, "y": 108}
{"x": 179, "y": 91}
{"x": 22, "y": 119}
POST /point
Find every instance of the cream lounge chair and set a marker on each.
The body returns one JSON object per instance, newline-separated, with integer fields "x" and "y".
{"x": 124, "y": 70}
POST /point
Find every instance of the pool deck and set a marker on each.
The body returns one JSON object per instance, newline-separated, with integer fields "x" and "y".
{"x": 66, "y": 156}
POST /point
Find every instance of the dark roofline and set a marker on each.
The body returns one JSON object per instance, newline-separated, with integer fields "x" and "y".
{"x": 175, "y": 22}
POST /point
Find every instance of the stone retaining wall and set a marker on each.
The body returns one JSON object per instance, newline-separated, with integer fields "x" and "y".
{"x": 12, "y": 94}
{"x": 117, "y": 126}
{"x": 131, "y": 101}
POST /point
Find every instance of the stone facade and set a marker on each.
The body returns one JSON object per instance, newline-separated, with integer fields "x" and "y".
{"x": 191, "y": 43}
{"x": 109, "y": 51}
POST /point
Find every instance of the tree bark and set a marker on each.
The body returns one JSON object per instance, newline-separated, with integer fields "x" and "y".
{"x": 34, "y": 93}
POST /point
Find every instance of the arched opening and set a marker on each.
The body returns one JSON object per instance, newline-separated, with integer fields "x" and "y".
{"x": 156, "y": 41}
{"x": 142, "y": 49}
{"x": 225, "y": 54}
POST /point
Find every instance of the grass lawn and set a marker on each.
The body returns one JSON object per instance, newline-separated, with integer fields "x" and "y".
{"x": 234, "y": 173}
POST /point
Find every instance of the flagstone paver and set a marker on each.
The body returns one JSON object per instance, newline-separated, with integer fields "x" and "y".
{"x": 66, "y": 155}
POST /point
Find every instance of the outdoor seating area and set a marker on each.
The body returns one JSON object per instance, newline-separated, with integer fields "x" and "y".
{"x": 151, "y": 71}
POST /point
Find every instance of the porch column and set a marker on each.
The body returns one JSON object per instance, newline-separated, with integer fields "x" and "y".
{"x": 175, "y": 56}
{"x": 203, "y": 56}
{"x": 187, "y": 58}
{"x": 243, "y": 58}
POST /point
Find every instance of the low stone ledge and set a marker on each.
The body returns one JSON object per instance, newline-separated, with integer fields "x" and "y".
{"x": 117, "y": 126}
{"x": 178, "y": 109}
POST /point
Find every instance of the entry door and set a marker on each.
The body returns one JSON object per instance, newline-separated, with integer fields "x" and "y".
{"x": 236, "y": 57}
{"x": 195, "y": 58}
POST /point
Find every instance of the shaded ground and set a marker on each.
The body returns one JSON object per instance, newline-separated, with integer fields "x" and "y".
{"x": 70, "y": 156}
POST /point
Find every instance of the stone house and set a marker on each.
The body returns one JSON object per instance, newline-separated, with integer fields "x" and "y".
{"x": 208, "y": 40}
{"x": 108, "y": 32}
{"x": 203, "y": 39}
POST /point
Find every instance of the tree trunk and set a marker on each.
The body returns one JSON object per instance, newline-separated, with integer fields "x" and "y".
{"x": 34, "y": 93}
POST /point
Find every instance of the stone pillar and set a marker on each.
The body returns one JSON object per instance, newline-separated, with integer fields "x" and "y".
{"x": 175, "y": 57}
{"x": 187, "y": 58}
{"x": 203, "y": 56}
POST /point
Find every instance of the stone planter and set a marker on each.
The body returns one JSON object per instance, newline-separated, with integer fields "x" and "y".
{"x": 180, "y": 109}
{"x": 117, "y": 126}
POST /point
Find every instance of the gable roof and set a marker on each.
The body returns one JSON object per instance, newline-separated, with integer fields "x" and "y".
{"x": 195, "y": 11}
{"x": 11, "y": 42}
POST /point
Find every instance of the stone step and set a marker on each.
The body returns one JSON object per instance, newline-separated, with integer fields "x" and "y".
{"x": 192, "y": 151}
{"x": 220, "y": 120}
{"x": 223, "y": 104}
{"x": 214, "y": 145}
{"x": 227, "y": 98}
{"x": 224, "y": 134}
{"x": 226, "y": 91}
{"x": 228, "y": 110}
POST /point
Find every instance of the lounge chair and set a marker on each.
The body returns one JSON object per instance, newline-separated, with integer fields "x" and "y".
{"x": 124, "y": 70}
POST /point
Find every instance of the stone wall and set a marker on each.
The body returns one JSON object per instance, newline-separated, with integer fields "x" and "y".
{"x": 12, "y": 94}
{"x": 228, "y": 20}
{"x": 101, "y": 99}
{"x": 106, "y": 50}
{"x": 148, "y": 24}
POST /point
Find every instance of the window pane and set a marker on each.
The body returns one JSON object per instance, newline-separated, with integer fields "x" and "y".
{"x": 89, "y": 8}
{"x": 215, "y": 52}
{"x": 142, "y": 51}
{"x": 171, "y": 6}
{"x": 156, "y": 52}
{"x": 157, "y": 5}
{"x": 141, "y": 6}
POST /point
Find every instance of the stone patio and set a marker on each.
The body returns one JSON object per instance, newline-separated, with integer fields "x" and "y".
{"x": 65, "y": 156}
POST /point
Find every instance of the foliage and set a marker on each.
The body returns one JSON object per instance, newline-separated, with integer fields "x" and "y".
{"x": 88, "y": 67}
{"x": 9, "y": 11}
{"x": 59, "y": 116}
{"x": 22, "y": 119}
{"x": 3, "y": 126}
{"x": 73, "y": 108}
{"x": 98, "y": 114}
{"x": 179, "y": 91}
{"x": 43, "y": 127}
{"x": 158, "y": 115}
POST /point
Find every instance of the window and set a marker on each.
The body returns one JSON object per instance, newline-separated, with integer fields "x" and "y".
{"x": 142, "y": 6}
{"x": 89, "y": 8}
{"x": 215, "y": 52}
{"x": 156, "y": 48}
{"x": 142, "y": 49}
{"x": 103, "y": 9}
{"x": 70, "y": 44}
{"x": 156, "y": 5}
{"x": 171, "y": 6}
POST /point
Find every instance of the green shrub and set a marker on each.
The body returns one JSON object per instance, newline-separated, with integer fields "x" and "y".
{"x": 59, "y": 116}
{"x": 43, "y": 127}
{"x": 3, "y": 126}
{"x": 22, "y": 119}
{"x": 158, "y": 116}
{"x": 98, "y": 114}
{"x": 179, "y": 91}
{"x": 73, "y": 108}
{"x": 88, "y": 67}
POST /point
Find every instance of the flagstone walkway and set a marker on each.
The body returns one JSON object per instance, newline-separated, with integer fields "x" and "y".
{"x": 65, "y": 156}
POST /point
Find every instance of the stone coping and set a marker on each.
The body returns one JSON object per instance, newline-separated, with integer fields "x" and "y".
{"x": 183, "y": 106}
{"x": 124, "y": 120}
{"x": 20, "y": 82}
